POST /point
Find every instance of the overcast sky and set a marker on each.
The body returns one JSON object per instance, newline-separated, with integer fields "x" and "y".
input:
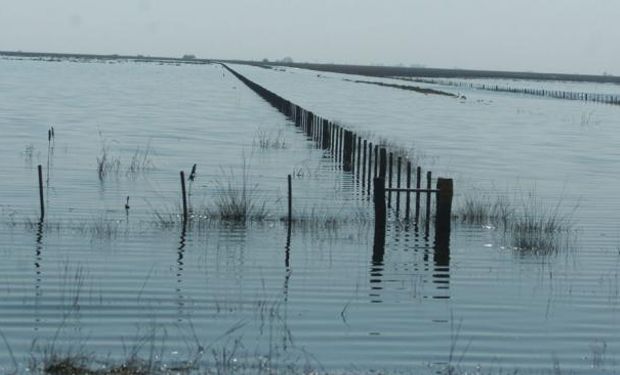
{"x": 573, "y": 36}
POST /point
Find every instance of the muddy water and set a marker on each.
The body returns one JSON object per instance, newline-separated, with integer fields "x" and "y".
{"x": 94, "y": 276}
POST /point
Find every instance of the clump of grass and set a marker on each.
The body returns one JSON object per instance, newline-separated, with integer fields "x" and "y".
{"x": 238, "y": 199}
{"x": 111, "y": 165}
{"x": 268, "y": 140}
{"x": 54, "y": 363}
{"x": 540, "y": 228}
{"x": 106, "y": 164}
{"x": 69, "y": 364}
{"x": 532, "y": 226}
{"x": 145, "y": 356}
{"x": 140, "y": 161}
{"x": 238, "y": 204}
{"x": 485, "y": 210}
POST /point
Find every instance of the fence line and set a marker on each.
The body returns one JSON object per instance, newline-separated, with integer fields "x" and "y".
{"x": 356, "y": 155}
{"x": 556, "y": 94}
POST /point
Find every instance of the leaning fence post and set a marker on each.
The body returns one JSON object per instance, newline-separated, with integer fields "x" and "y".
{"x": 382, "y": 163}
{"x": 184, "y": 196}
{"x": 443, "y": 208}
{"x": 42, "y": 204}
{"x": 380, "y": 210}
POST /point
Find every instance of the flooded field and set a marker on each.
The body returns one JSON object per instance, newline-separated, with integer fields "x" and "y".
{"x": 101, "y": 280}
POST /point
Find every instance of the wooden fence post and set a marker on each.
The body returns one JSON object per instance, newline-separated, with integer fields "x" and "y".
{"x": 382, "y": 162}
{"x": 347, "y": 165}
{"x": 184, "y": 196}
{"x": 429, "y": 178}
{"x": 376, "y": 161}
{"x": 42, "y": 204}
{"x": 364, "y": 147}
{"x": 309, "y": 119}
{"x": 326, "y": 138}
{"x": 443, "y": 208}
{"x": 390, "y": 168}
{"x": 370, "y": 163}
{"x": 418, "y": 185}
{"x": 398, "y": 168}
{"x": 358, "y": 152}
{"x": 408, "y": 196}
{"x": 380, "y": 215}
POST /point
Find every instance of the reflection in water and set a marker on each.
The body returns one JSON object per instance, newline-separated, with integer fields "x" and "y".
{"x": 287, "y": 248}
{"x": 180, "y": 254}
{"x": 410, "y": 255}
{"x": 37, "y": 265}
{"x": 376, "y": 276}
{"x": 376, "y": 269}
{"x": 441, "y": 261}
{"x": 287, "y": 278}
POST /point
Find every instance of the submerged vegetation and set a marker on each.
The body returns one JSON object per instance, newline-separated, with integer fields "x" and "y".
{"x": 238, "y": 198}
{"x": 109, "y": 165}
{"x": 148, "y": 352}
{"x": 98, "y": 228}
{"x": 265, "y": 140}
{"x": 531, "y": 225}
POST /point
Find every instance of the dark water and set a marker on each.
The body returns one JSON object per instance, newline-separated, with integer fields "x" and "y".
{"x": 94, "y": 278}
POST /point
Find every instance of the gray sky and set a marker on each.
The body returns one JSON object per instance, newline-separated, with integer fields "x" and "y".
{"x": 574, "y": 36}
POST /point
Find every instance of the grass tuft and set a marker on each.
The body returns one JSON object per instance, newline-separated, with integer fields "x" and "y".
{"x": 267, "y": 140}
{"x": 106, "y": 164}
{"x": 532, "y": 225}
{"x": 111, "y": 165}
{"x": 484, "y": 210}
{"x": 540, "y": 228}
{"x": 140, "y": 161}
{"x": 238, "y": 199}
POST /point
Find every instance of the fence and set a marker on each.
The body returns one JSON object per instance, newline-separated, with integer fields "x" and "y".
{"x": 557, "y": 94}
{"x": 367, "y": 162}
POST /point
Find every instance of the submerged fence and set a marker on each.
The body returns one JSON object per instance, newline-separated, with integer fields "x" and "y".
{"x": 401, "y": 182}
{"x": 557, "y": 94}
{"x": 612, "y": 99}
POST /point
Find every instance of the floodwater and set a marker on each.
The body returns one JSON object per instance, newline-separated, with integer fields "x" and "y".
{"x": 96, "y": 278}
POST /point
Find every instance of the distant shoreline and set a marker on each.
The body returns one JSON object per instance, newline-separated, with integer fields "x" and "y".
{"x": 364, "y": 70}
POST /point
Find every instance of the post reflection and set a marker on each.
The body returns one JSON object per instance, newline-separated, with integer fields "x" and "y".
{"x": 441, "y": 263}
{"x": 414, "y": 259}
{"x": 287, "y": 263}
{"x": 376, "y": 269}
{"x": 287, "y": 278}
{"x": 179, "y": 274}
{"x": 38, "y": 259}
